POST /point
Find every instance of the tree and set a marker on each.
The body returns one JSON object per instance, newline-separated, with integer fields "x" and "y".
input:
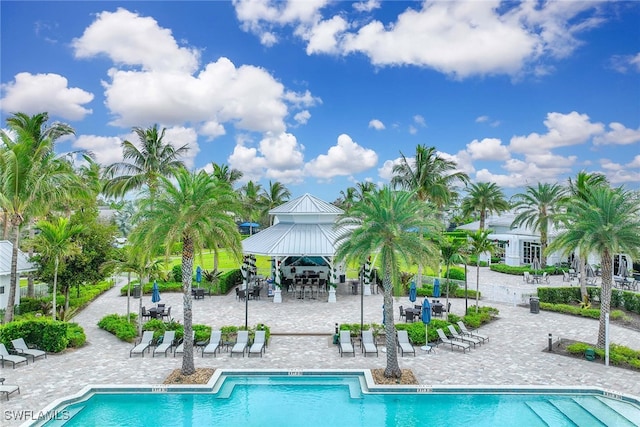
{"x": 226, "y": 174}
{"x": 430, "y": 176}
{"x": 384, "y": 223}
{"x": 31, "y": 178}
{"x": 452, "y": 252}
{"x": 273, "y": 197}
{"x": 479, "y": 243}
{"x": 56, "y": 241}
{"x": 484, "y": 198}
{"x": 538, "y": 208}
{"x": 143, "y": 166}
{"x": 347, "y": 198}
{"x": 606, "y": 221}
{"x": 251, "y": 201}
{"x": 197, "y": 212}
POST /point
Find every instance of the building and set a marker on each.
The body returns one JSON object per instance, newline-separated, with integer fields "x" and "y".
{"x": 24, "y": 266}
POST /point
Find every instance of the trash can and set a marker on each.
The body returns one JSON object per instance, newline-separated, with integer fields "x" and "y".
{"x": 343, "y": 278}
{"x": 534, "y": 305}
{"x": 136, "y": 291}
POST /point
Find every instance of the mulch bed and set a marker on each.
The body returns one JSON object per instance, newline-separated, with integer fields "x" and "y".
{"x": 407, "y": 378}
{"x": 201, "y": 376}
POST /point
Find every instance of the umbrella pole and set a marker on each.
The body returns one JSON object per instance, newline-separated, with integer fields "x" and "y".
{"x": 426, "y": 337}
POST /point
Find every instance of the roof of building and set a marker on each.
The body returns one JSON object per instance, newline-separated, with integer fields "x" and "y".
{"x": 306, "y": 204}
{"x": 24, "y": 265}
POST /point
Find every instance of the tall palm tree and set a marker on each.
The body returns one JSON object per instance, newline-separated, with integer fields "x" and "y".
{"x": 55, "y": 242}
{"x": 538, "y": 208}
{"x": 431, "y": 177}
{"x": 363, "y": 188}
{"x": 143, "y": 165}
{"x": 479, "y": 243}
{"x": 347, "y": 198}
{"x": 484, "y": 198}
{"x": 197, "y": 212}
{"x": 251, "y": 197}
{"x": 31, "y": 178}
{"x": 605, "y": 221}
{"x": 273, "y": 197}
{"x": 226, "y": 174}
{"x": 384, "y": 223}
{"x": 452, "y": 252}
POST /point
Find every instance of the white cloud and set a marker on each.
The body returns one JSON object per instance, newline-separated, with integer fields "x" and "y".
{"x": 619, "y": 134}
{"x": 179, "y": 136}
{"x": 482, "y": 119}
{"x": 247, "y": 160}
{"x": 345, "y": 158}
{"x": 419, "y": 120}
{"x": 625, "y": 63}
{"x": 130, "y": 39}
{"x": 462, "y": 159}
{"x": 107, "y": 149}
{"x": 212, "y": 129}
{"x": 34, "y": 93}
{"x": 488, "y": 149}
{"x": 386, "y": 171}
{"x": 618, "y": 173}
{"x": 302, "y": 117}
{"x": 562, "y": 130}
{"x": 323, "y": 37}
{"x": 376, "y": 124}
{"x": 366, "y": 6}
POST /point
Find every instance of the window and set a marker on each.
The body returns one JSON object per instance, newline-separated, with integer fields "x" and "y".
{"x": 530, "y": 250}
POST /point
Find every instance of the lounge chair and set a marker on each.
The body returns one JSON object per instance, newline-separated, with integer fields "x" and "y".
{"x": 143, "y": 344}
{"x": 445, "y": 340}
{"x": 242, "y": 341}
{"x": 166, "y": 344}
{"x": 214, "y": 344}
{"x": 23, "y": 349}
{"x": 404, "y": 344}
{"x": 527, "y": 277}
{"x": 258, "y": 344}
{"x": 180, "y": 347}
{"x": 5, "y": 356}
{"x": 465, "y": 338}
{"x": 8, "y": 389}
{"x": 465, "y": 331}
{"x": 346, "y": 345}
{"x": 368, "y": 343}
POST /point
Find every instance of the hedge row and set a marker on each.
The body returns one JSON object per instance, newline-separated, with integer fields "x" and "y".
{"x": 518, "y": 271}
{"x": 228, "y": 281}
{"x": 618, "y": 354}
{"x": 630, "y": 301}
{"x": 455, "y": 291}
{"x": 43, "y": 305}
{"x": 46, "y": 334}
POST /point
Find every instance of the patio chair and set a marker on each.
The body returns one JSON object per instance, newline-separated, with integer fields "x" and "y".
{"x": 180, "y": 347}
{"x": 465, "y": 331}
{"x": 408, "y": 315}
{"x": 464, "y": 338}
{"x": 5, "y": 356}
{"x": 145, "y": 313}
{"x": 445, "y": 340}
{"x": 368, "y": 343}
{"x": 402, "y": 313}
{"x": 437, "y": 310}
{"x": 258, "y": 344}
{"x": 143, "y": 344}
{"x": 23, "y": 349}
{"x": 346, "y": 344}
{"x": 214, "y": 344}
{"x": 527, "y": 277}
{"x": 404, "y": 344}
{"x": 242, "y": 341}
{"x": 166, "y": 344}
{"x": 545, "y": 277}
{"x": 167, "y": 313}
{"x": 565, "y": 277}
{"x": 8, "y": 389}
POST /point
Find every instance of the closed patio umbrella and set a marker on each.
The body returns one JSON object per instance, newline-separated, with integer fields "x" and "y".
{"x": 623, "y": 270}
{"x": 198, "y": 275}
{"x": 413, "y": 292}
{"x": 426, "y": 319}
{"x": 155, "y": 293}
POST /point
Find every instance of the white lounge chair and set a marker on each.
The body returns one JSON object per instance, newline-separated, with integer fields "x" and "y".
{"x": 258, "y": 344}
{"x": 465, "y": 338}
{"x": 180, "y": 348}
{"x": 465, "y": 331}
{"x": 445, "y": 340}
{"x": 527, "y": 277}
{"x": 23, "y": 349}
{"x": 368, "y": 343}
{"x": 5, "y": 356}
{"x": 214, "y": 344}
{"x": 241, "y": 343}
{"x": 404, "y": 344}
{"x": 8, "y": 389}
{"x": 144, "y": 344}
{"x": 166, "y": 344}
{"x": 346, "y": 345}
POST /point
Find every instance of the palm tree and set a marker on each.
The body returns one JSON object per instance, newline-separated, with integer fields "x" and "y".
{"x": 226, "y": 174}
{"x": 347, "y": 198}
{"x": 251, "y": 201}
{"x": 452, "y": 252}
{"x": 31, "y": 178}
{"x": 479, "y": 243}
{"x": 55, "y": 241}
{"x": 197, "y": 212}
{"x": 430, "y": 176}
{"x": 273, "y": 197}
{"x": 484, "y": 198}
{"x": 384, "y": 223}
{"x": 143, "y": 166}
{"x": 605, "y": 221}
{"x": 538, "y": 208}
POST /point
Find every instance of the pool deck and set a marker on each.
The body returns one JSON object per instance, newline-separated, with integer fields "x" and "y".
{"x": 301, "y": 340}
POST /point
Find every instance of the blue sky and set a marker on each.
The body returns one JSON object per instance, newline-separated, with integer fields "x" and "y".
{"x": 320, "y": 95}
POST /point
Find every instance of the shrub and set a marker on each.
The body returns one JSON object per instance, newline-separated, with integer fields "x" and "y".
{"x": 578, "y": 348}
{"x": 44, "y": 333}
{"x": 455, "y": 273}
{"x": 119, "y": 326}
{"x": 75, "y": 335}
{"x": 176, "y": 271}
{"x": 229, "y": 280}
{"x": 565, "y": 295}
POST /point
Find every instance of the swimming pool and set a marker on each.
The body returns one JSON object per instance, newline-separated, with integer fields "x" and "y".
{"x": 335, "y": 399}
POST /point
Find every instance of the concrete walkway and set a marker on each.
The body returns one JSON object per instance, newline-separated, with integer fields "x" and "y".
{"x": 513, "y": 355}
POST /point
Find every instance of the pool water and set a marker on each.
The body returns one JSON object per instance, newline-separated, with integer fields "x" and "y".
{"x": 339, "y": 401}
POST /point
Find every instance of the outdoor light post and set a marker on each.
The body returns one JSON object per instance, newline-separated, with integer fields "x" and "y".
{"x": 246, "y": 300}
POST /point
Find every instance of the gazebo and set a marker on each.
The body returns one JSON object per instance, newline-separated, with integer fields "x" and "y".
{"x": 303, "y": 236}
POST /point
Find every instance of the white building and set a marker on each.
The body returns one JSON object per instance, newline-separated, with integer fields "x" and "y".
{"x": 24, "y": 266}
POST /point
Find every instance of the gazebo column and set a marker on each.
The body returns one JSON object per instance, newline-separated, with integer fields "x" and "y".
{"x": 277, "y": 292}
{"x": 334, "y": 280}
{"x": 366, "y": 279}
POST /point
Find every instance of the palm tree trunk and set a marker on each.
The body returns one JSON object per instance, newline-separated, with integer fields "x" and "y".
{"x": 31, "y": 289}
{"x": 583, "y": 278}
{"x": 141, "y": 279}
{"x": 11, "y": 298}
{"x": 188, "y": 367}
{"x": 477, "y": 284}
{"x": 5, "y": 227}
{"x": 448, "y": 274}
{"x": 55, "y": 286}
{"x": 605, "y": 295}
{"x": 393, "y": 369}
{"x": 129, "y": 297}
